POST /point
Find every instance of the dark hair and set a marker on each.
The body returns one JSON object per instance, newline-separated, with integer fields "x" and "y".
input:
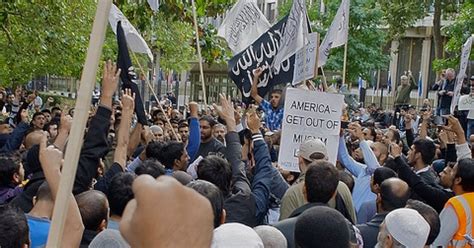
{"x": 347, "y": 178}
{"x": 216, "y": 170}
{"x": 14, "y": 230}
{"x": 321, "y": 226}
{"x": 8, "y": 168}
{"x": 321, "y": 181}
{"x": 392, "y": 196}
{"x": 153, "y": 149}
{"x": 466, "y": 172}
{"x": 430, "y": 215}
{"x": 213, "y": 194}
{"x": 44, "y": 193}
{"x": 93, "y": 207}
{"x": 427, "y": 149}
{"x": 46, "y": 111}
{"x": 119, "y": 192}
{"x": 150, "y": 167}
{"x": 372, "y": 132}
{"x": 209, "y": 119}
{"x": 182, "y": 124}
{"x": 276, "y": 91}
{"x": 170, "y": 152}
{"x": 37, "y": 114}
{"x": 382, "y": 173}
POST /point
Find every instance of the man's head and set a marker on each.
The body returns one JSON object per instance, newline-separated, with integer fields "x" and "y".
{"x": 214, "y": 195}
{"x": 56, "y": 112}
{"x": 14, "y": 230}
{"x": 157, "y": 132}
{"x": 421, "y": 152}
{"x": 404, "y": 80}
{"x": 464, "y": 176}
{"x": 379, "y": 176}
{"x": 216, "y": 170}
{"x": 446, "y": 176}
{"x": 47, "y": 114}
{"x": 275, "y": 97}
{"x": 52, "y": 129}
{"x": 150, "y": 167}
{"x": 369, "y": 133}
{"x": 174, "y": 156}
{"x": 320, "y": 182}
{"x": 11, "y": 172}
{"x": 430, "y": 215}
{"x": 394, "y": 193}
{"x": 403, "y": 228}
{"x": 380, "y": 151}
{"x": 219, "y": 132}
{"x": 38, "y": 120}
{"x": 94, "y": 209}
{"x": 311, "y": 150}
{"x": 206, "y": 124}
{"x": 153, "y": 149}
{"x": 450, "y": 74}
{"x": 271, "y": 236}
{"x": 183, "y": 131}
{"x": 120, "y": 192}
{"x": 321, "y": 227}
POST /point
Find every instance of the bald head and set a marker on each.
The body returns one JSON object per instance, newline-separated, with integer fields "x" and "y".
{"x": 33, "y": 138}
{"x": 381, "y": 151}
{"x": 94, "y": 208}
{"x": 394, "y": 193}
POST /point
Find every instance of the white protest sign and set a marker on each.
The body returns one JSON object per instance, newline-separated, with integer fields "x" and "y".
{"x": 466, "y": 102}
{"x": 304, "y": 71}
{"x": 466, "y": 51}
{"x": 309, "y": 114}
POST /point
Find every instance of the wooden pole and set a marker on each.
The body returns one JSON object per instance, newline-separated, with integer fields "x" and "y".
{"x": 157, "y": 99}
{"x": 81, "y": 115}
{"x": 325, "y": 83}
{"x": 344, "y": 67}
{"x": 198, "y": 47}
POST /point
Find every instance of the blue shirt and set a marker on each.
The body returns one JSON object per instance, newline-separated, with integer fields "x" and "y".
{"x": 361, "y": 172}
{"x": 39, "y": 229}
{"x": 273, "y": 117}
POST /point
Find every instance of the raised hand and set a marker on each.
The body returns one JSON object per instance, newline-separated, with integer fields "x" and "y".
{"x": 193, "y": 109}
{"x": 395, "y": 150}
{"x": 24, "y": 116}
{"x": 356, "y": 130}
{"x": 128, "y": 100}
{"x": 226, "y": 110}
{"x": 66, "y": 122}
{"x": 253, "y": 121}
{"x": 50, "y": 157}
{"x": 109, "y": 83}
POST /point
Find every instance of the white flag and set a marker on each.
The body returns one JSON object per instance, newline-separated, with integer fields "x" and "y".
{"x": 322, "y": 8}
{"x": 154, "y": 4}
{"x": 337, "y": 33}
{"x": 135, "y": 41}
{"x": 295, "y": 34}
{"x": 243, "y": 25}
{"x": 466, "y": 51}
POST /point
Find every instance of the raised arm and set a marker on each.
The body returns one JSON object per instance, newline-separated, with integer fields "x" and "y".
{"x": 254, "y": 92}
{"x": 370, "y": 160}
{"x": 51, "y": 160}
{"x": 120, "y": 155}
{"x": 16, "y": 137}
{"x": 425, "y": 123}
{"x": 194, "y": 140}
{"x": 96, "y": 143}
{"x": 63, "y": 131}
{"x": 354, "y": 167}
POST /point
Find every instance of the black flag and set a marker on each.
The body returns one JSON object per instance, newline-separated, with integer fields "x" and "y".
{"x": 127, "y": 75}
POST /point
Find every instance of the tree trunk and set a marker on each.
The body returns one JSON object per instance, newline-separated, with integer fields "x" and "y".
{"x": 437, "y": 38}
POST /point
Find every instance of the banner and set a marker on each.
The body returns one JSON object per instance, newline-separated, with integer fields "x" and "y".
{"x": 261, "y": 53}
{"x": 243, "y": 24}
{"x": 337, "y": 33}
{"x": 309, "y": 114}
{"x": 295, "y": 33}
{"x": 135, "y": 41}
{"x": 466, "y": 51}
{"x": 303, "y": 71}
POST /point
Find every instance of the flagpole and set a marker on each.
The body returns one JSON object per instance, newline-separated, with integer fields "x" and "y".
{"x": 344, "y": 66}
{"x": 325, "y": 84}
{"x": 76, "y": 138}
{"x": 157, "y": 99}
{"x": 201, "y": 71}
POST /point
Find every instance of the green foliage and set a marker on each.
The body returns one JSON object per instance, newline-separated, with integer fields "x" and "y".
{"x": 37, "y": 38}
{"x": 399, "y": 15}
{"x": 366, "y": 39}
{"x": 458, "y": 32}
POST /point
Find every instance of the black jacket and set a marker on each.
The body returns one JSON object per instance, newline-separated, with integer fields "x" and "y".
{"x": 433, "y": 196}
{"x": 95, "y": 147}
{"x": 370, "y": 230}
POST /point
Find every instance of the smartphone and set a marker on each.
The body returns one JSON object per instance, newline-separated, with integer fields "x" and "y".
{"x": 344, "y": 124}
{"x": 438, "y": 120}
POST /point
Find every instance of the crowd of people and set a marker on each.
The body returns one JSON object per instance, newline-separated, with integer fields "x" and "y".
{"x": 170, "y": 178}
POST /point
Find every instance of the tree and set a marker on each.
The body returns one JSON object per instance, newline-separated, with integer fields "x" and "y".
{"x": 366, "y": 39}
{"x": 458, "y": 32}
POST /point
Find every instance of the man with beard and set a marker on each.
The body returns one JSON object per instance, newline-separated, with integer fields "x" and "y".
{"x": 445, "y": 90}
{"x": 273, "y": 109}
{"x": 420, "y": 156}
{"x": 209, "y": 144}
{"x": 219, "y": 132}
